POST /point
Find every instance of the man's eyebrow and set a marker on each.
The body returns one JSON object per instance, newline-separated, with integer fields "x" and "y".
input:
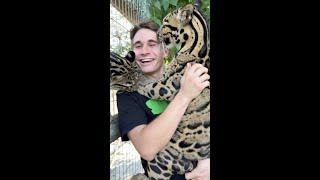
{"x": 149, "y": 41}
{"x": 138, "y": 42}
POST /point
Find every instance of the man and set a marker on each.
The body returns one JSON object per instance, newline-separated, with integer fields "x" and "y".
{"x": 148, "y": 131}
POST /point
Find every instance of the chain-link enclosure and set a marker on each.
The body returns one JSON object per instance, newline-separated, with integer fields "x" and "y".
{"x": 124, "y": 160}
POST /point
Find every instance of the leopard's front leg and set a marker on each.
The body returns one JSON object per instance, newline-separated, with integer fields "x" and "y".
{"x": 168, "y": 162}
{"x": 158, "y": 171}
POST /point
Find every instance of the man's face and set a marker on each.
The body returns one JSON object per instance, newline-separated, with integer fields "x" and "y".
{"x": 149, "y": 54}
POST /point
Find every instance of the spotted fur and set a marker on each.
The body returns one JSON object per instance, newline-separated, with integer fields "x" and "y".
{"x": 191, "y": 141}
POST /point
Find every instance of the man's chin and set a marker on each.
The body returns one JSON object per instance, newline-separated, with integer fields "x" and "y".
{"x": 146, "y": 71}
{"x": 147, "y": 64}
{"x": 147, "y": 68}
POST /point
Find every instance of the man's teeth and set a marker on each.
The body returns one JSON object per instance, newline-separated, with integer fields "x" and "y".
{"x": 146, "y": 60}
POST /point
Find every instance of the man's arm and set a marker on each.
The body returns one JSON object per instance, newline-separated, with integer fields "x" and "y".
{"x": 150, "y": 139}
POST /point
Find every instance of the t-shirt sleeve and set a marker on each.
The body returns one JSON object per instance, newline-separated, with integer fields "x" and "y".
{"x": 130, "y": 113}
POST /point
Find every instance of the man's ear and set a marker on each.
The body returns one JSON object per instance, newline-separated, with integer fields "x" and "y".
{"x": 164, "y": 49}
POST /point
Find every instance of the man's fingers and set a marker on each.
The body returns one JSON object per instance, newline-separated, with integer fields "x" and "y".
{"x": 191, "y": 175}
{"x": 205, "y": 84}
{"x": 195, "y": 66}
{"x": 201, "y": 71}
{"x": 188, "y": 67}
{"x": 204, "y": 77}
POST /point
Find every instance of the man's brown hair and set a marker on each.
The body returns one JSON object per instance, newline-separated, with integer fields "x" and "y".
{"x": 144, "y": 25}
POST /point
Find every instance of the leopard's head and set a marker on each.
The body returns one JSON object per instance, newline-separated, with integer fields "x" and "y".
{"x": 121, "y": 71}
{"x": 175, "y": 24}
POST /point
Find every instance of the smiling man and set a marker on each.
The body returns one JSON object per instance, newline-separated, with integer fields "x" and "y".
{"x": 149, "y": 57}
{"x": 149, "y": 130}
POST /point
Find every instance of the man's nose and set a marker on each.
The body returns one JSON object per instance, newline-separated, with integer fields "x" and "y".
{"x": 145, "y": 49}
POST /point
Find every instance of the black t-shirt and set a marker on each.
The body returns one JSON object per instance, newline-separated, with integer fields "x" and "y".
{"x": 133, "y": 111}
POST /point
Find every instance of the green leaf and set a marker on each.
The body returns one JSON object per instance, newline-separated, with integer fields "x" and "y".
{"x": 157, "y": 4}
{"x": 178, "y": 47}
{"x": 182, "y": 3}
{"x": 156, "y": 20}
{"x": 157, "y": 106}
{"x": 172, "y": 52}
{"x": 173, "y": 2}
{"x": 158, "y": 13}
{"x": 165, "y": 4}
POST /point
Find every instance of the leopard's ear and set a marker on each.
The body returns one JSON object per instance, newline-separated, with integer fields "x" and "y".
{"x": 186, "y": 14}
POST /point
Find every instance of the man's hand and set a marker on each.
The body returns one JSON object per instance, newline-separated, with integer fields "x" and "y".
{"x": 201, "y": 172}
{"x": 194, "y": 80}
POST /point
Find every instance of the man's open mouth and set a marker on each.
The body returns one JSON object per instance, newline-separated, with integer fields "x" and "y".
{"x": 146, "y": 60}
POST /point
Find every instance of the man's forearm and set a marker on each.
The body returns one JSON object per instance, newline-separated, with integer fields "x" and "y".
{"x": 154, "y": 136}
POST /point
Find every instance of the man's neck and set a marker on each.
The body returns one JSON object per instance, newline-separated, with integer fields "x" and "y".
{"x": 155, "y": 76}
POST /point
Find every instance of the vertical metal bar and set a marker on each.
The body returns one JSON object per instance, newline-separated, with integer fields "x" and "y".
{"x": 139, "y": 12}
{"x": 135, "y": 8}
{"x": 122, "y": 6}
{"x": 118, "y": 4}
{"x": 127, "y": 158}
{"x": 136, "y": 11}
{"x": 132, "y": 10}
{"x": 120, "y": 172}
{"x": 130, "y": 5}
{"x": 127, "y": 11}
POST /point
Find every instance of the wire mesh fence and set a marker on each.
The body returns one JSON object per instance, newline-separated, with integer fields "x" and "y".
{"x": 135, "y": 11}
{"x": 124, "y": 160}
